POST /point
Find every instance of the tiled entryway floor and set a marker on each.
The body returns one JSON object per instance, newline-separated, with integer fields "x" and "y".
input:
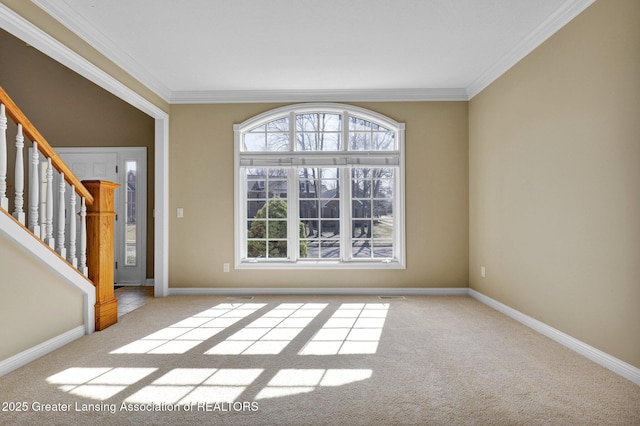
{"x": 132, "y": 297}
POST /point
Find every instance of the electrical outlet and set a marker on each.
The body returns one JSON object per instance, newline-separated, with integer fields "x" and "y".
{"x": 180, "y": 212}
{"x": 225, "y": 267}
{"x": 483, "y": 272}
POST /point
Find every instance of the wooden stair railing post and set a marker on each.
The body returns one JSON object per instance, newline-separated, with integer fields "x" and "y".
{"x": 100, "y": 257}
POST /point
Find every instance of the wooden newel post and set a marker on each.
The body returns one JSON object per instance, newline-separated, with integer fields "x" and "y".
{"x": 100, "y": 259}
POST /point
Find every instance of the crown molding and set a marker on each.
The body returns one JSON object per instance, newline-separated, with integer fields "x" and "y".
{"x": 264, "y": 96}
{"x": 67, "y": 16}
{"x": 562, "y": 16}
{"x": 61, "y": 11}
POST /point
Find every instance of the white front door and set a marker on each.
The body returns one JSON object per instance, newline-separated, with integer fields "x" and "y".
{"x": 127, "y": 167}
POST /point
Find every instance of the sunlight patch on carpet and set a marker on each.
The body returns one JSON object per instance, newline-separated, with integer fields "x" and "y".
{"x": 98, "y": 383}
{"x": 194, "y": 385}
{"x": 354, "y": 328}
{"x": 272, "y": 332}
{"x": 289, "y": 382}
{"x": 190, "y": 332}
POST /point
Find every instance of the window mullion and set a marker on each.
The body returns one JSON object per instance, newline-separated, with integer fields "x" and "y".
{"x": 293, "y": 235}
{"x": 293, "y": 215}
{"x": 292, "y": 131}
{"x": 345, "y": 196}
{"x": 345, "y": 214}
{"x": 242, "y": 214}
{"x": 345, "y": 131}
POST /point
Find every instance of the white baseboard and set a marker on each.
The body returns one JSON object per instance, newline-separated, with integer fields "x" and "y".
{"x": 31, "y": 354}
{"x": 320, "y": 291}
{"x": 612, "y": 363}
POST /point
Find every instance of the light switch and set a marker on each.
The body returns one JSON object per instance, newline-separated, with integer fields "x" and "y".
{"x": 180, "y": 212}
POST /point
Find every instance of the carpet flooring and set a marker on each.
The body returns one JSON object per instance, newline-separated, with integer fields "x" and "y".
{"x": 316, "y": 360}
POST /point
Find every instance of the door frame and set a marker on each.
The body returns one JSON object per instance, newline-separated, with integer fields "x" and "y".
{"x": 123, "y": 155}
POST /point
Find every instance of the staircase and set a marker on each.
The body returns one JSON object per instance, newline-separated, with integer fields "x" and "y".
{"x": 66, "y": 223}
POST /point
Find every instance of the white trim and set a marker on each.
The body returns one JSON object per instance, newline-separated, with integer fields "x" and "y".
{"x": 31, "y": 354}
{"x": 28, "y": 242}
{"x": 401, "y": 206}
{"x": 341, "y": 291}
{"x": 161, "y": 208}
{"x": 265, "y": 96}
{"x": 331, "y": 107}
{"x": 29, "y": 33}
{"x": 67, "y": 16}
{"x": 312, "y": 264}
{"x": 612, "y": 363}
{"x": 558, "y": 19}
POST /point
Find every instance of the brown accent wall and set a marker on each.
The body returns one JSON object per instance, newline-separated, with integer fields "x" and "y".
{"x": 201, "y": 182}
{"x": 71, "y": 111}
{"x": 42, "y": 20}
{"x": 555, "y": 182}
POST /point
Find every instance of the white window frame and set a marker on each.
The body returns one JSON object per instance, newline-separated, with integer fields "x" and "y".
{"x": 293, "y": 159}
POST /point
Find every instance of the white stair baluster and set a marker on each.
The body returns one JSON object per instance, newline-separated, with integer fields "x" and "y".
{"x": 62, "y": 250}
{"x": 83, "y": 238}
{"x": 18, "y": 202}
{"x": 49, "y": 221}
{"x": 34, "y": 191}
{"x": 4, "y": 201}
{"x": 72, "y": 228}
{"x": 43, "y": 200}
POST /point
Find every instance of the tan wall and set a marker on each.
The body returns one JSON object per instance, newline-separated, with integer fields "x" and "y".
{"x": 71, "y": 111}
{"x": 201, "y": 182}
{"x": 36, "y": 303}
{"x": 555, "y": 182}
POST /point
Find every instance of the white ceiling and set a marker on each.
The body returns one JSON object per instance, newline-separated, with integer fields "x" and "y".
{"x": 259, "y": 50}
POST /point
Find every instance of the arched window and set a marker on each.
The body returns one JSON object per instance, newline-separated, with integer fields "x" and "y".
{"x": 319, "y": 186}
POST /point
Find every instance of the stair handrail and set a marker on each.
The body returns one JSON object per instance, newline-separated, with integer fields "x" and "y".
{"x": 18, "y": 117}
{"x": 97, "y": 211}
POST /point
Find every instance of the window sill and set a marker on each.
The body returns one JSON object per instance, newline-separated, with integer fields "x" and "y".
{"x": 316, "y": 264}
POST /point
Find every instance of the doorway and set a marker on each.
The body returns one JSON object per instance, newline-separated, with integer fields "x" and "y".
{"x": 127, "y": 167}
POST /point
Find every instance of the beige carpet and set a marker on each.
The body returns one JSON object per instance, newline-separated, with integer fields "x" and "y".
{"x": 319, "y": 360}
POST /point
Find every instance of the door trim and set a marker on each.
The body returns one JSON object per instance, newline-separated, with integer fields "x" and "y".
{"x": 124, "y": 154}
